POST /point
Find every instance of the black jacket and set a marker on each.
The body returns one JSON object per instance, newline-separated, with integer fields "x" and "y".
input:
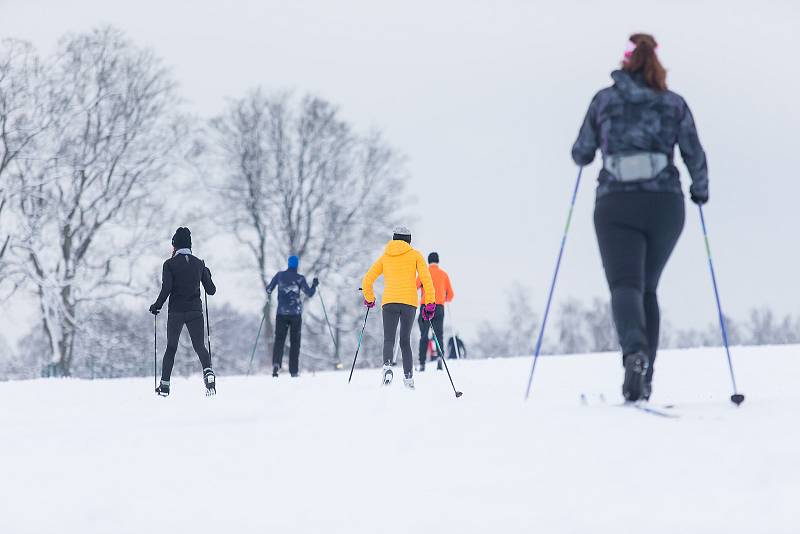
{"x": 289, "y": 284}
{"x": 180, "y": 281}
{"x": 630, "y": 117}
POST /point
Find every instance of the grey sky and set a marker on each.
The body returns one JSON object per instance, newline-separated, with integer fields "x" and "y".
{"x": 485, "y": 98}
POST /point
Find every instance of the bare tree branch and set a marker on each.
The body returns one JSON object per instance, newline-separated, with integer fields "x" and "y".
{"x": 111, "y": 120}
{"x": 296, "y": 179}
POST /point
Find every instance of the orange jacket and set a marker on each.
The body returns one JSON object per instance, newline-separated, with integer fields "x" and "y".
{"x": 399, "y": 266}
{"x": 441, "y": 284}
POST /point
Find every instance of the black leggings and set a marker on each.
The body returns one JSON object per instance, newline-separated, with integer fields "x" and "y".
{"x": 637, "y": 232}
{"x": 404, "y": 314}
{"x": 283, "y": 325}
{"x": 424, "y": 328}
{"x": 194, "y": 324}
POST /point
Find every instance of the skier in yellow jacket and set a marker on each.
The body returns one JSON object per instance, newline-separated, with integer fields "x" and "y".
{"x": 400, "y": 265}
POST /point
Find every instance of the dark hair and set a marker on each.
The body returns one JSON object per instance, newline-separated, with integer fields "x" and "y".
{"x": 644, "y": 59}
{"x": 433, "y": 257}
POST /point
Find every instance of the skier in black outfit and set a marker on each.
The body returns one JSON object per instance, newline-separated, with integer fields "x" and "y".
{"x": 180, "y": 281}
{"x": 289, "y": 317}
{"x": 639, "y": 210}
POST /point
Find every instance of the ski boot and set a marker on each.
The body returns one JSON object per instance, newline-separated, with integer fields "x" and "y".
{"x": 421, "y": 367}
{"x": 211, "y": 381}
{"x": 439, "y": 363}
{"x": 635, "y": 370}
{"x": 275, "y": 370}
{"x": 647, "y": 389}
{"x": 163, "y": 389}
{"x": 408, "y": 381}
{"x": 387, "y": 374}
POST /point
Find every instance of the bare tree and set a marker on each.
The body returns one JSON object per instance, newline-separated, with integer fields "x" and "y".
{"x": 571, "y": 323}
{"x": 601, "y": 331}
{"x": 298, "y": 180}
{"x": 91, "y": 192}
{"x": 516, "y": 334}
{"x": 22, "y": 119}
{"x": 765, "y": 329}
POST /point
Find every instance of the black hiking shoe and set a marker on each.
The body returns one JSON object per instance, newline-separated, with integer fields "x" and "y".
{"x": 211, "y": 381}
{"x": 275, "y": 370}
{"x": 163, "y": 389}
{"x": 635, "y": 371}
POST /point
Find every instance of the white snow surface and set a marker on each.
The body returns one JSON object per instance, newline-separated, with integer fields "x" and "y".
{"x": 316, "y": 455}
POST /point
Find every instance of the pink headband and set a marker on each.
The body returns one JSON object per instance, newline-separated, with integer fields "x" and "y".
{"x": 630, "y": 48}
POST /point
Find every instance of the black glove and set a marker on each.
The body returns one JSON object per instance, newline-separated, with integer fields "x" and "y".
{"x": 315, "y": 282}
{"x": 154, "y": 310}
{"x": 699, "y": 197}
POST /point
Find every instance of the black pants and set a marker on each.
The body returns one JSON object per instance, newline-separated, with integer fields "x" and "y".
{"x": 424, "y": 328}
{"x": 284, "y": 324}
{"x": 194, "y": 324}
{"x": 404, "y": 315}
{"x": 636, "y": 233}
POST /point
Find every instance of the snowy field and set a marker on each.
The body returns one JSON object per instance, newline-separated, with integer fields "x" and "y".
{"x": 316, "y": 455}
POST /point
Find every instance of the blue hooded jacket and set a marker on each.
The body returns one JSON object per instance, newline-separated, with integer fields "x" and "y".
{"x": 290, "y": 284}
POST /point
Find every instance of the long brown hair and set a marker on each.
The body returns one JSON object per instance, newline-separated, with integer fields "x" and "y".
{"x": 644, "y": 59}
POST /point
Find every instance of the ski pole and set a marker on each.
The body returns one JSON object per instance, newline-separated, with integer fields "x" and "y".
{"x": 553, "y": 283}
{"x": 737, "y": 398}
{"x": 330, "y": 328}
{"x": 155, "y": 351}
{"x": 360, "y": 338}
{"x": 443, "y": 359}
{"x": 255, "y": 343}
{"x": 208, "y": 327}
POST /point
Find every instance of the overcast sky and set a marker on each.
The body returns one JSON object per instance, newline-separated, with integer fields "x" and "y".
{"x": 485, "y": 98}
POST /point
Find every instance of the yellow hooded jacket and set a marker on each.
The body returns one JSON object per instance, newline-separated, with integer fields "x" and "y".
{"x": 399, "y": 265}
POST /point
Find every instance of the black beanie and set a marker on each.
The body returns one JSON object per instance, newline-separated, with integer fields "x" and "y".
{"x": 433, "y": 257}
{"x": 182, "y": 238}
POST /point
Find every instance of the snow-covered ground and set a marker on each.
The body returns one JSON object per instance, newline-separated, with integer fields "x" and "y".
{"x": 316, "y": 455}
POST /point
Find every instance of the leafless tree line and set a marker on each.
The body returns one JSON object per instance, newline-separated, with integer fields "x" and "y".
{"x": 92, "y": 141}
{"x": 580, "y": 327}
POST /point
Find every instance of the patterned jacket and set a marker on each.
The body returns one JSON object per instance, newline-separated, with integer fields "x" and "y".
{"x": 289, "y": 285}
{"x": 630, "y": 117}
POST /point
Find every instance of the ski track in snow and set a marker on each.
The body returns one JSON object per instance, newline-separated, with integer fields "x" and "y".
{"x": 318, "y": 455}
